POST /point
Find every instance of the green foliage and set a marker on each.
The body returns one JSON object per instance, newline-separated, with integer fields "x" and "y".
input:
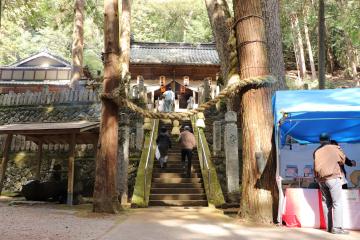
{"x": 342, "y": 23}
{"x": 34, "y": 25}
{"x": 37, "y": 25}
{"x": 170, "y": 20}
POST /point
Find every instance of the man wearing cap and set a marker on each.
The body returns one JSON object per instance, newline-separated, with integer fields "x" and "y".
{"x": 187, "y": 142}
{"x": 327, "y": 159}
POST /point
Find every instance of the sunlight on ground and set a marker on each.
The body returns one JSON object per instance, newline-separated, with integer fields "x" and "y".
{"x": 208, "y": 229}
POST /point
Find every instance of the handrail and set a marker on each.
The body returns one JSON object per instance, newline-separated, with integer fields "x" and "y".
{"x": 148, "y": 157}
{"x": 204, "y": 157}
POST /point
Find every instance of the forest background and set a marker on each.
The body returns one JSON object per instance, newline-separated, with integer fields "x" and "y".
{"x": 29, "y": 26}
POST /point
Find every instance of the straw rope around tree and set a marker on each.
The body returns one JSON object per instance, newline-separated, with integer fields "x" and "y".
{"x": 234, "y": 85}
{"x": 226, "y": 92}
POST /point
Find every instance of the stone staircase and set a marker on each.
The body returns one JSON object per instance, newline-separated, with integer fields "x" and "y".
{"x": 170, "y": 186}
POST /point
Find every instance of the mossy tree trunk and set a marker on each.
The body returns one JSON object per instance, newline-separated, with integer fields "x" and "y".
{"x": 219, "y": 17}
{"x": 220, "y": 21}
{"x": 123, "y": 158}
{"x": 258, "y": 188}
{"x": 105, "y": 194}
{"x": 78, "y": 43}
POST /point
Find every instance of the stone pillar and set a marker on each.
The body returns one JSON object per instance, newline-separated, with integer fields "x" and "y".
{"x": 207, "y": 90}
{"x": 152, "y": 97}
{"x": 123, "y": 159}
{"x": 132, "y": 141}
{"x": 232, "y": 158}
{"x": 216, "y": 137}
{"x": 139, "y": 136}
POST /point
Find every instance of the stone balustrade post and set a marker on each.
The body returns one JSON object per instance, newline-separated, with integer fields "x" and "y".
{"x": 139, "y": 136}
{"x": 123, "y": 159}
{"x": 132, "y": 143}
{"x": 217, "y": 129}
{"x": 232, "y": 156}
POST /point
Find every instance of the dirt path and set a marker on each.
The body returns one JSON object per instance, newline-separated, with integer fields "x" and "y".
{"x": 57, "y": 222}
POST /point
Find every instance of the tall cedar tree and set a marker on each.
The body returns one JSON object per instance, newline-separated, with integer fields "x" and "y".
{"x": 274, "y": 41}
{"x": 105, "y": 195}
{"x": 257, "y": 188}
{"x": 123, "y": 157}
{"x": 78, "y": 43}
{"x": 219, "y": 16}
{"x": 307, "y": 39}
{"x": 322, "y": 44}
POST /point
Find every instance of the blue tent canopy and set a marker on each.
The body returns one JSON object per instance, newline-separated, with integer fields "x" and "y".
{"x": 305, "y": 114}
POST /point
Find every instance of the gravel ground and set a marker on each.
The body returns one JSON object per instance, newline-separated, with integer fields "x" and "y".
{"x": 52, "y": 222}
{"x": 59, "y": 222}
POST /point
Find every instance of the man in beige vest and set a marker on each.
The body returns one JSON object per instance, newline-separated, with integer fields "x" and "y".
{"x": 327, "y": 159}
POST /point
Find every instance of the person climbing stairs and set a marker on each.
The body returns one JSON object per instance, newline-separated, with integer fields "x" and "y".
{"x": 171, "y": 186}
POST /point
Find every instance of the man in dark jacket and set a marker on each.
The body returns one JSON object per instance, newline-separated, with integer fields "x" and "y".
{"x": 163, "y": 143}
{"x": 187, "y": 142}
{"x": 327, "y": 161}
{"x": 348, "y": 162}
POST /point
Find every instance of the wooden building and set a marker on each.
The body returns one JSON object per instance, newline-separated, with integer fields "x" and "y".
{"x": 182, "y": 66}
{"x": 153, "y": 67}
{"x": 34, "y": 73}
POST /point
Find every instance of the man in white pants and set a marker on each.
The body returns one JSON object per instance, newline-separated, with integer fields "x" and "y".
{"x": 169, "y": 97}
{"x": 327, "y": 159}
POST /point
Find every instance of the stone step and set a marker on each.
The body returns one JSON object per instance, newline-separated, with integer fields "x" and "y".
{"x": 177, "y": 180}
{"x": 231, "y": 212}
{"x": 178, "y": 203}
{"x": 178, "y": 160}
{"x": 177, "y": 165}
{"x": 177, "y": 191}
{"x": 176, "y": 185}
{"x": 177, "y": 196}
{"x": 175, "y": 175}
{"x": 174, "y": 170}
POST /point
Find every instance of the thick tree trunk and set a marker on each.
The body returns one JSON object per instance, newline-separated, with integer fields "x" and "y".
{"x": 308, "y": 44}
{"x": 257, "y": 188}
{"x": 274, "y": 41}
{"x": 78, "y": 43}
{"x": 105, "y": 195}
{"x": 124, "y": 61}
{"x": 322, "y": 44}
{"x": 298, "y": 41}
{"x": 219, "y": 16}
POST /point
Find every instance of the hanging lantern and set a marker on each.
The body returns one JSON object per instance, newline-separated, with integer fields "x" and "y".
{"x": 186, "y": 80}
{"x": 162, "y": 89}
{"x": 162, "y": 80}
{"x": 182, "y": 89}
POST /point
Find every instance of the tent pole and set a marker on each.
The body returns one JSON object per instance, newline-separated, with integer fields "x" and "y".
{"x": 278, "y": 177}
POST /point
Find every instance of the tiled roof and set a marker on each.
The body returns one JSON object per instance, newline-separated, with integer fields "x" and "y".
{"x": 174, "y": 53}
{"x": 43, "y": 53}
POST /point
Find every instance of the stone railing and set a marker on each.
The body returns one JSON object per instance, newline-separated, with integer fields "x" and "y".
{"x": 45, "y": 97}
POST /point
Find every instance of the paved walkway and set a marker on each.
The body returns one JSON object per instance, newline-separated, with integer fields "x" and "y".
{"x": 58, "y": 222}
{"x": 205, "y": 223}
